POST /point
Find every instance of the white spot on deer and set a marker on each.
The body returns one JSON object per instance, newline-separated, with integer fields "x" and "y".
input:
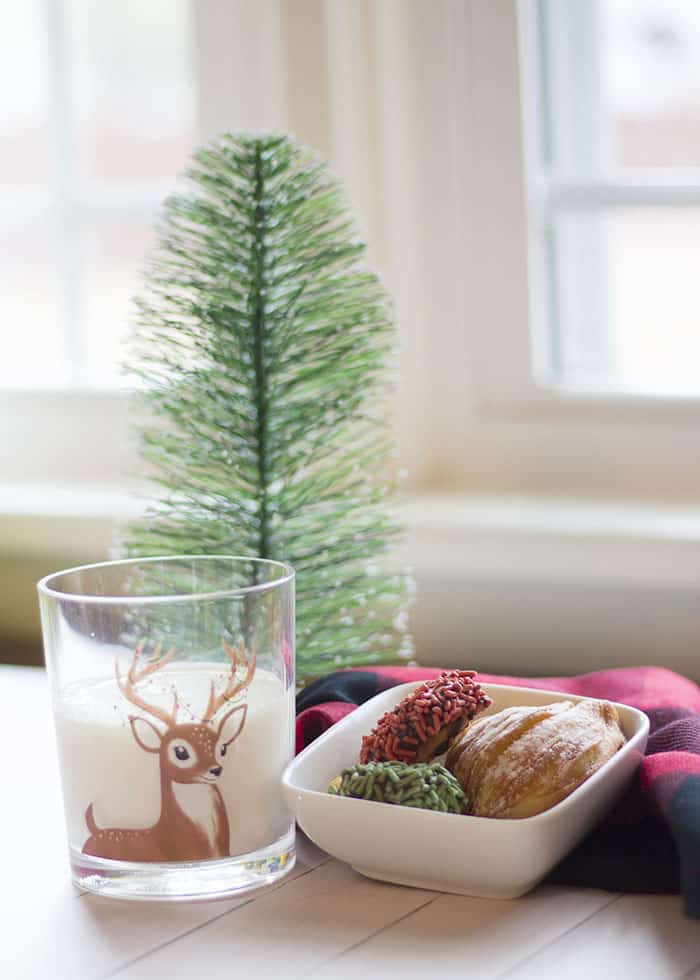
{"x": 198, "y": 802}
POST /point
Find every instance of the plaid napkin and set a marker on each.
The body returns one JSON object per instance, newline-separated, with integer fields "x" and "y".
{"x": 650, "y": 841}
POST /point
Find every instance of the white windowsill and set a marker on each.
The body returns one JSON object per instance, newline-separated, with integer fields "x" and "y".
{"x": 450, "y": 535}
{"x": 510, "y": 584}
{"x": 565, "y": 541}
{"x": 62, "y": 523}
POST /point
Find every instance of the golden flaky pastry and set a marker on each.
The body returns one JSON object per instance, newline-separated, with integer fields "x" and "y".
{"x": 523, "y": 760}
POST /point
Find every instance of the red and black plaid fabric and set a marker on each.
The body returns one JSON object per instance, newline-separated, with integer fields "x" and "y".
{"x": 649, "y": 842}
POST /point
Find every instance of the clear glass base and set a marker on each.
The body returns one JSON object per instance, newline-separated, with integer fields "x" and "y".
{"x": 195, "y": 881}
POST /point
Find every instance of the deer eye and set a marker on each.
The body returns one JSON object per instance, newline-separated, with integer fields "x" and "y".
{"x": 222, "y": 751}
{"x": 182, "y": 754}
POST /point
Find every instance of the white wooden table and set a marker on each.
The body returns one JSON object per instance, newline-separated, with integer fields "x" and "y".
{"x": 324, "y": 920}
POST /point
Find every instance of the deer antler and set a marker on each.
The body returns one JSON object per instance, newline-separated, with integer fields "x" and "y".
{"x": 233, "y": 686}
{"x": 134, "y": 676}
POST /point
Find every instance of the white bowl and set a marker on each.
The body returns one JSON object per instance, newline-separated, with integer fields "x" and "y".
{"x": 467, "y": 855}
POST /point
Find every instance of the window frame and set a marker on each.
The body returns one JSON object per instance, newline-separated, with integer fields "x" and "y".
{"x": 78, "y": 431}
{"x": 83, "y": 434}
{"x": 471, "y": 416}
{"x": 70, "y": 201}
{"x": 520, "y": 317}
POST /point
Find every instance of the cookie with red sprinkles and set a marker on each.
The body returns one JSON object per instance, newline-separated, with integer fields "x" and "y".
{"x": 422, "y": 725}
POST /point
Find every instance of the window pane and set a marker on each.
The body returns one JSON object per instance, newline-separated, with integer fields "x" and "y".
{"x": 619, "y": 92}
{"x": 655, "y": 298}
{"x": 24, "y": 135}
{"x": 651, "y": 82}
{"x": 134, "y": 88}
{"x": 97, "y": 118}
{"x": 33, "y": 343}
{"x": 114, "y": 258}
{"x": 632, "y": 317}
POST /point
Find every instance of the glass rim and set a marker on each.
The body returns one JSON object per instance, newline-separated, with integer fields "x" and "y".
{"x": 45, "y": 589}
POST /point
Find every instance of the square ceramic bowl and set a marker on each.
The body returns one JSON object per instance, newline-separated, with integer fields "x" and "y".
{"x": 467, "y": 855}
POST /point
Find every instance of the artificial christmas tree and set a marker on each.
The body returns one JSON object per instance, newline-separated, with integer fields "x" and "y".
{"x": 262, "y": 343}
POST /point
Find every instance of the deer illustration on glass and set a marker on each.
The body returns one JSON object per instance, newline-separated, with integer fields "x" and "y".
{"x": 193, "y": 824}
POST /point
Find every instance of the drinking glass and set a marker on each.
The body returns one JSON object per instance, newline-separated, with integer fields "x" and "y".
{"x": 173, "y": 692}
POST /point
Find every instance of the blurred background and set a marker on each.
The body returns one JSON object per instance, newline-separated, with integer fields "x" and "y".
{"x": 527, "y": 177}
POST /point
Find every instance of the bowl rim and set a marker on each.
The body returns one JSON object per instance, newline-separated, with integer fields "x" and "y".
{"x": 551, "y": 813}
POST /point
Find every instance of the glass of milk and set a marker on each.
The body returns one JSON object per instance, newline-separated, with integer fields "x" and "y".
{"x": 173, "y": 693}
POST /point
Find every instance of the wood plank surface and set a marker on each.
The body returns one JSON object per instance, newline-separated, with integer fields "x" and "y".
{"x": 287, "y": 933}
{"x": 646, "y": 933}
{"x": 324, "y": 920}
{"x": 67, "y": 936}
{"x": 49, "y": 928}
{"x": 490, "y": 936}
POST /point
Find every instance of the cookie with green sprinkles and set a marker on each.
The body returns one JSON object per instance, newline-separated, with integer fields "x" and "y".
{"x": 427, "y": 786}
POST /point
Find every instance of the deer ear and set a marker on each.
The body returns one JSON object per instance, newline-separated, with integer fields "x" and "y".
{"x": 231, "y": 724}
{"x": 145, "y": 733}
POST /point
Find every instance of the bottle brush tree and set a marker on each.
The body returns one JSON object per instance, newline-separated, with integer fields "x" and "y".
{"x": 262, "y": 343}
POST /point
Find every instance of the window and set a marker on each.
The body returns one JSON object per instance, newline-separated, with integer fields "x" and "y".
{"x": 614, "y": 111}
{"x": 97, "y": 118}
{"x": 419, "y": 108}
